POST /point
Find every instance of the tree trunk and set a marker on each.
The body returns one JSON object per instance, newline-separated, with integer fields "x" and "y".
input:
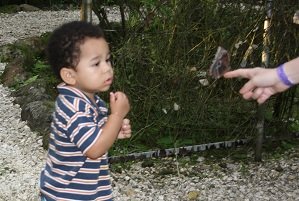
{"x": 260, "y": 133}
{"x": 265, "y": 61}
{"x": 86, "y": 11}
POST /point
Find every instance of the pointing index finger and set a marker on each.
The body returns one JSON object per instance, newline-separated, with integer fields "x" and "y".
{"x": 244, "y": 73}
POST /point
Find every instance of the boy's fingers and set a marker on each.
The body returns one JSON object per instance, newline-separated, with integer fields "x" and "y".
{"x": 126, "y": 121}
{"x": 127, "y": 135}
{"x": 127, "y": 132}
{"x": 112, "y": 97}
{"x": 119, "y": 94}
{"x": 126, "y": 128}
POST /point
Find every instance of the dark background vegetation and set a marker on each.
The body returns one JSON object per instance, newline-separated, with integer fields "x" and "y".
{"x": 164, "y": 49}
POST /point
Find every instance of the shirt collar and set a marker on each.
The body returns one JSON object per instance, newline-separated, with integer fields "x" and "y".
{"x": 65, "y": 89}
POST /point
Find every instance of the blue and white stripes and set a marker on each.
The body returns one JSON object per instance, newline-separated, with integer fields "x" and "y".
{"x": 69, "y": 174}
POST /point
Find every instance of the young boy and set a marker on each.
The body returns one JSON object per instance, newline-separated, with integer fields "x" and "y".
{"x": 81, "y": 129}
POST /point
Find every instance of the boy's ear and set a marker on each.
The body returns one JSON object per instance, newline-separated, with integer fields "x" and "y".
{"x": 68, "y": 75}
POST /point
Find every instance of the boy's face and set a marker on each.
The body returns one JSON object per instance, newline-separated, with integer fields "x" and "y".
{"x": 94, "y": 71}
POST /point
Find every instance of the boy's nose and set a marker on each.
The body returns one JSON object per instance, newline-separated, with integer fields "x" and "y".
{"x": 108, "y": 67}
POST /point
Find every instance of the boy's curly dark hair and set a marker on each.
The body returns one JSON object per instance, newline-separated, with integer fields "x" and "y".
{"x": 64, "y": 44}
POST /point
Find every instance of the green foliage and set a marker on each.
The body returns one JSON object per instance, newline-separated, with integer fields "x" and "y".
{"x": 9, "y": 9}
{"x": 294, "y": 126}
{"x": 32, "y": 52}
{"x": 31, "y": 80}
{"x": 276, "y": 149}
{"x": 40, "y": 67}
{"x": 155, "y": 66}
{"x": 167, "y": 52}
{"x": 286, "y": 145}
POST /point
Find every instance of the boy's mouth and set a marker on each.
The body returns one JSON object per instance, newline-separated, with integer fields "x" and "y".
{"x": 109, "y": 81}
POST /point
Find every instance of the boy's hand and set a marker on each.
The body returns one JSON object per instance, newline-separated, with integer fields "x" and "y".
{"x": 119, "y": 104}
{"x": 125, "y": 131}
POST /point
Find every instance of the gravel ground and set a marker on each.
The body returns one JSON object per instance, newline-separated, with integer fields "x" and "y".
{"x": 22, "y": 156}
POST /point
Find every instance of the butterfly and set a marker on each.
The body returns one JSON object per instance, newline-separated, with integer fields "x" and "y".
{"x": 220, "y": 64}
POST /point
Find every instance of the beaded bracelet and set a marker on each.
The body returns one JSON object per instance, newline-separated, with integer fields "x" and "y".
{"x": 283, "y": 77}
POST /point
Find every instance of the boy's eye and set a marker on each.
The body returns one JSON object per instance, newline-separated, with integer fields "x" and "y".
{"x": 96, "y": 64}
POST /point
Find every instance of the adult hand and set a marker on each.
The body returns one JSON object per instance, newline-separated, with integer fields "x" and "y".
{"x": 262, "y": 83}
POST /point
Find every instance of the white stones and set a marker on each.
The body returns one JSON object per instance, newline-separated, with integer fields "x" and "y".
{"x": 27, "y": 24}
{"x": 2, "y": 66}
{"x": 234, "y": 185}
{"x": 18, "y": 175}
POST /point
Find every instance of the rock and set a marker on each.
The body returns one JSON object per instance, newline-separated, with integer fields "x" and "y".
{"x": 7, "y": 53}
{"x": 28, "y": 8}
{"x": 200, "y": 159}
{"x": 13, "y": 73}
{"x": 2, "y": 67}
{"x": 31, "y": 92}
{"x": 38, "y": 115}
{"x": 279, "y": 168}
{"x": 147, "y": 163}
{"x": 223, "y": 165}
{"x": 130, "y": 192}
{"x": 193, "y": 195}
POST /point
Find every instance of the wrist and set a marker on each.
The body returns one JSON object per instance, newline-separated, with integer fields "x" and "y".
{"x": 116, "y": 115}
{"x": 283, "y": 77}
{"x": 116, "y": 118}
{"x": 119, "y": 114}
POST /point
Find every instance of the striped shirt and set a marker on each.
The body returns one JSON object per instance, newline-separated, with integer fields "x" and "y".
{"x": 69, "y": 174}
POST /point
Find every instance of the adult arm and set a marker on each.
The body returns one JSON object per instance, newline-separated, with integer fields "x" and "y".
{"x": 263, "y": 83}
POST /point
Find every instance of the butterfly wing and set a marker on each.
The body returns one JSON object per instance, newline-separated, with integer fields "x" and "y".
{"x": 220, "y": 64}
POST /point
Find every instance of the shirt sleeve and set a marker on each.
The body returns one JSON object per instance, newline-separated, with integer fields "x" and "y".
{"x": 84, "y": 126}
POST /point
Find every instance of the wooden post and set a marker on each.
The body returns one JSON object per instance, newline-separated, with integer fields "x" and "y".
{"x": 265, "y": 63}
{"x": 86, "y": 11}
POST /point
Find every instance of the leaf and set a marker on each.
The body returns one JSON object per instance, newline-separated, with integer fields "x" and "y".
{"x": 165, "y": 141}
{"x": 30, "y": 80}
